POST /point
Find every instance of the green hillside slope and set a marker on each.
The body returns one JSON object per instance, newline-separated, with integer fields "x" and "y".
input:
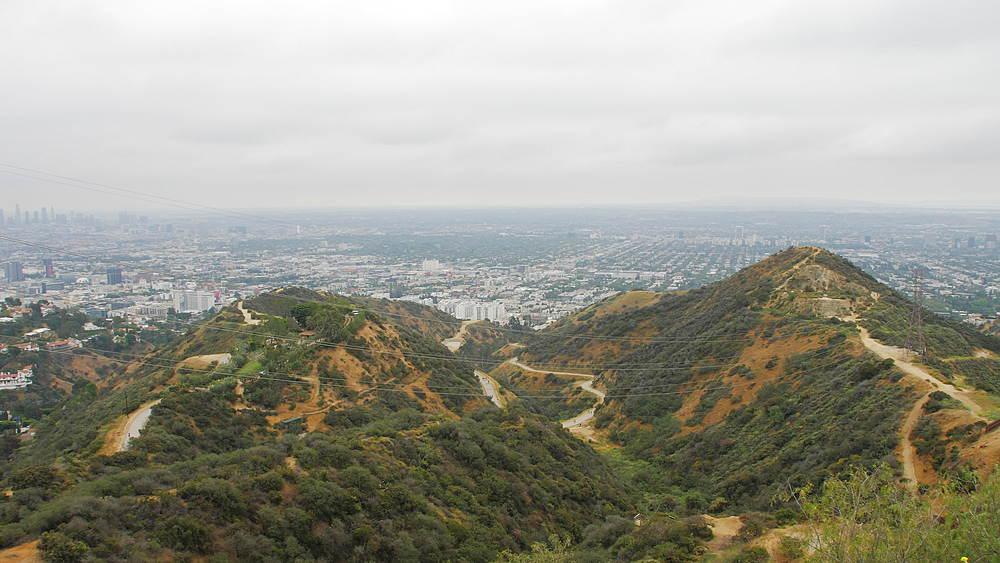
{"x": 759, "y": 382}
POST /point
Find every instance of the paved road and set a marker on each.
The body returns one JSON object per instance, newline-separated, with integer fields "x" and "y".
{"x": 490, "y": 388}
{"x": 136, "y": 422}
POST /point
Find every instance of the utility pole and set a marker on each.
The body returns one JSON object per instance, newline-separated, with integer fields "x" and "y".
{"x": 915, "y": 336}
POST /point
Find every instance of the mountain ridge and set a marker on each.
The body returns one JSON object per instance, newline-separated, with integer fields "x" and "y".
{"x": 783, "y": 337}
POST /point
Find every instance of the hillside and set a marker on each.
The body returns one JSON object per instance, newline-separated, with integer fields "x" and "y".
{"x": 301, "y": 425}
{"x": 340, "y": 358}
{"x": 769, "y": 379}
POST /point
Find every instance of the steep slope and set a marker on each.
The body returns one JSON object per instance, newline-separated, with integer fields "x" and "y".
{"x": 323, "y": 430}
{"x": 760, "y": 381}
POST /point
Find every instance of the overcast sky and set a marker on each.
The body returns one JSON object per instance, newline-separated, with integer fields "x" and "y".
{"x": 266, "y": 104}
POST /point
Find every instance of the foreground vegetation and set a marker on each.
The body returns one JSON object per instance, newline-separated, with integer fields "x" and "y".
{"x": 866, "y": 516}
{"x": 856, "y": 516}
{"x": 405, "y": 486}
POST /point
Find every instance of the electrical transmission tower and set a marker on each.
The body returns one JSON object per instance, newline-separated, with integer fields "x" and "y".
{"x": 915, "y": 336}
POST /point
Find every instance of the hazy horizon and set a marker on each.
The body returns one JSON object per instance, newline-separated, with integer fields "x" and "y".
{"x": 138, "y": 205}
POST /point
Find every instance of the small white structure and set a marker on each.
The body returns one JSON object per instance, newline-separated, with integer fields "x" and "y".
{"x": 37, "y": 332}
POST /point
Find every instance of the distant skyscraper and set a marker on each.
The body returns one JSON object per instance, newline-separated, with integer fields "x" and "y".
{"x": 45, "y": 215}
{"x": 17, "y": 213}
{"x": 395, "y": 290}
{"x": 50, "y": 270}
{"x": 115, "y": 276}
{"x": 13, "y": 272}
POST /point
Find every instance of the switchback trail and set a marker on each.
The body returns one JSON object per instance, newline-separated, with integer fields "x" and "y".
{"x": 580, "y": 425}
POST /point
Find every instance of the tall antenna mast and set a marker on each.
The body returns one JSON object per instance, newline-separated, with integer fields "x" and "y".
{"x": 915, "y": 336}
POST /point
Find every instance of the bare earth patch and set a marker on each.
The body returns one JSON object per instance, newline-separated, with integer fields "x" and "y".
{"x": 724, "y": 531}
{"x": 24, "y": 553}
{"x": 205, "y": 360}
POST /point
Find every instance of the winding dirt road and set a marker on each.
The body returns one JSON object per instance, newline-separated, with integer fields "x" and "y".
{"x": 907, "y": 450}
{"x": 900, "y": 357}
{"x": 454, "y": 343}
{"x": 724, "y": 531}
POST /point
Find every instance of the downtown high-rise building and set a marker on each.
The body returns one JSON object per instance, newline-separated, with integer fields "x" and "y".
{"x": 115, "y": 276}
{"x": 13, "y": 272}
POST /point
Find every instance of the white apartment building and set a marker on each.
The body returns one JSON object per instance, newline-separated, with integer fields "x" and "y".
{"x": 15, "y": 380}
{"x": 190, "y": 300}
{"x": 468, "y": 310}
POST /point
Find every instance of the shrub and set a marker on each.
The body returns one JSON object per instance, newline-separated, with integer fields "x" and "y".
{"x": 60, "y": 548}
{"x": 751, "y": 555}
{"x": 791, "y": 548}
{"x": 185, "y": 533}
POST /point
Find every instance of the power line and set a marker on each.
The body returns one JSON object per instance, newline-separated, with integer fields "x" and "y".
{"x": 476, "y": 361}
{"x": 376, "y": 387}
{"x": 45, "y": 247}
{"x": 176, "y": 365}
{"x": 915, "y": 341}
{"x": 639, "y": 339}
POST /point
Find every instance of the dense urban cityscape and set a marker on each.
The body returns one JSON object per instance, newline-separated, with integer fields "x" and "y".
{"x": 535, "y": 265}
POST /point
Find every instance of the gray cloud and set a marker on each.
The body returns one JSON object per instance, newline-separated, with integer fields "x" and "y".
{"x": 465, "y": 103}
